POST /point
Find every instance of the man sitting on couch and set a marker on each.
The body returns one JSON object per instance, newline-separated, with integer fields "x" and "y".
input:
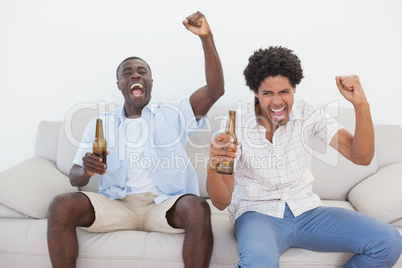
{"x": 273, "y": 206}
{"x": 133, "y": 195}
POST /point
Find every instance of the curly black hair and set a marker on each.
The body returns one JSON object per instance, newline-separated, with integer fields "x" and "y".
{"x": 272, "y": 61}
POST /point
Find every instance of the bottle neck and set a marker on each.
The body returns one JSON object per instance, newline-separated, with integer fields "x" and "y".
{"x": 99, "y": 129}
{"x": 232, "y": 122}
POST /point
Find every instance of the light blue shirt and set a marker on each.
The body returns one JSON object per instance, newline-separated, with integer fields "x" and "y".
{"x": 169, "y": 125}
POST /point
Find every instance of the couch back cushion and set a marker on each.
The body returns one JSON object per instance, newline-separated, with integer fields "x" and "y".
{"x": 46, "y": 142}
{"x": 389, "y": 144}
{"x": 335, "y": 175}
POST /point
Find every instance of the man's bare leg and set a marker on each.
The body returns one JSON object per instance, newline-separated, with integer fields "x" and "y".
{"x": 193, "y": 214}
{"x": 66, "y": 213}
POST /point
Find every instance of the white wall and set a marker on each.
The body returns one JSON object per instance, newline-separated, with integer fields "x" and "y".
{"x": 56, "y": 54}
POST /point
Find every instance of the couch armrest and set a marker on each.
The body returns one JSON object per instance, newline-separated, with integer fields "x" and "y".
{"x": 29, "y": 187}
{"x": 380, "y": 195}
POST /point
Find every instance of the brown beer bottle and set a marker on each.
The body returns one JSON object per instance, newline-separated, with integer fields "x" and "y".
{"x": 226, "y": 167}
{"x": 99, "y": 144}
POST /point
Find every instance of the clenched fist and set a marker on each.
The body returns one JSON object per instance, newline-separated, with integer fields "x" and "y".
{"x": 223, "y": 148}
{"x": 351, "y": 89}
{"x": 197, "y": 24}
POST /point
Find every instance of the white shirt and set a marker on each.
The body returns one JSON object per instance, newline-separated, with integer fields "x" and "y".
{"x": 271, "y": 175}
{"x": 138, "y": 178}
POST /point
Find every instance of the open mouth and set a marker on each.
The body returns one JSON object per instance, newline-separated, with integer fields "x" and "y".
{"x": 137, "y": 89}
{"x": 278, "y": 114}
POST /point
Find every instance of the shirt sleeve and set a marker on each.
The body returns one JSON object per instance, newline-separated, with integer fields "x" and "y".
{"x": 188, "y": 116}
{"x": 324, "y": 126}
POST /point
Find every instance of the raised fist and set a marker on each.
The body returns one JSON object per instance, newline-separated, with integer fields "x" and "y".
{"x": 197, "y": 24}
{"x": 351, "y": 89}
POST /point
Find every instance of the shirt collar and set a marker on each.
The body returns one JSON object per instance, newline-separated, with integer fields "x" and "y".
{"x": 152, "y": 104}
{"x": 121, "y": 115}
{"x": 296, "y": 112}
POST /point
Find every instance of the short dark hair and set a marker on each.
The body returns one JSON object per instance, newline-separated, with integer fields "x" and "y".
{"x": 131, "y": 58}
{"x": 272, "y": 61}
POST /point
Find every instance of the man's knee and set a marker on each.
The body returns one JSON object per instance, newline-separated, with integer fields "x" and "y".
{"x": 391, "y": 245}
{"x": 256, "y": 254}
{"x": 199, "y": 208}
{"x": 193, "y": 211}
{"x": 70, "y": 208}
{"x": 60, "y": 205}
{"x": 385, "y": 247}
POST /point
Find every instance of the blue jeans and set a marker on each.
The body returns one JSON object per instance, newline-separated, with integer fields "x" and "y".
{"x": 262, "y": 239}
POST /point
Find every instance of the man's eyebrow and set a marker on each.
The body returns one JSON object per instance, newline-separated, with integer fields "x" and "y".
{"x": 130, "y": 68}
{"x": 283, "y": 90}
{"x": 127, "y": 68}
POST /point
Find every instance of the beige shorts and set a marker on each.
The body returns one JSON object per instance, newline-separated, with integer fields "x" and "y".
{"x": 134, "y": 212}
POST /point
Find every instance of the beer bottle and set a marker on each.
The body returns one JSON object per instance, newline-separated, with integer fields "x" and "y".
{"x": 99, "y": 144}
{"x": 226, "y": 167}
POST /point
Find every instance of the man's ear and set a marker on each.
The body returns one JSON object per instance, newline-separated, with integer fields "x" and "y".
{"x": 117, "y": 83}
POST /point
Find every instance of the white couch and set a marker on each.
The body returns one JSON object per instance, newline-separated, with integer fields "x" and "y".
{"x": 27, "y": 189}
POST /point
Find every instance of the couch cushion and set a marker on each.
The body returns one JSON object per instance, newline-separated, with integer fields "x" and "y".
{"x": 65, "y": 152}
{"x": 6, "y": 212}
{"x": 397, "y": 223}
{"x": 197, "y": 150}
{"x": 25, "y": 246}
{"x": 14, "y": 233}
{"x": 334, "y": 174}
{"x": 30, "y": 186}
{"x": 380, "y": 194}
{"x": 389, "y": 144}
{"x": 47, "y": 139}
{"x": 338, "y": 204}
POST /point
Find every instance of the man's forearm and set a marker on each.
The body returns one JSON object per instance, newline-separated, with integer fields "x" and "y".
{"x": 363, "y": 140}
{"x": 219, "y": 190}
{"x": 213, "y": 67}
{"x": 78, "y": 176}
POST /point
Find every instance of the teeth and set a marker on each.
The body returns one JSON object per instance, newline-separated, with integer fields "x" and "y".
{"x": 278, "y": 110}
{"x": 136, "y": 85}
